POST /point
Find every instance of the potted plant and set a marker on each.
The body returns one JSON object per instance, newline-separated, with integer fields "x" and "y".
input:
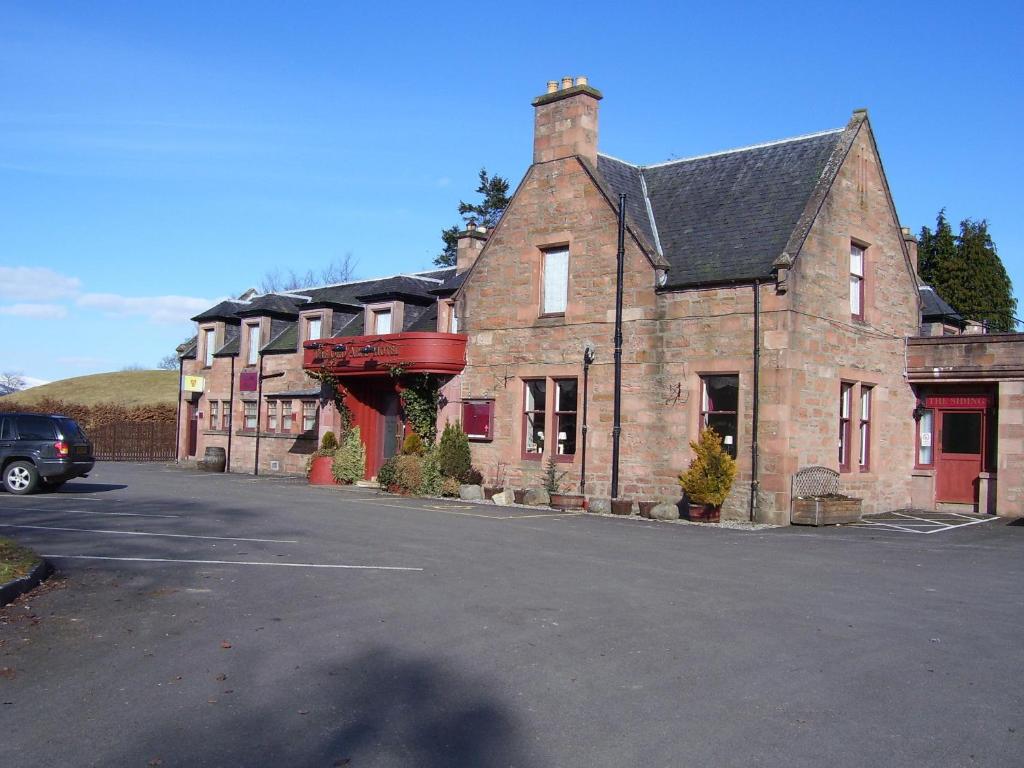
{"x": 709, "y": 478}
{"x": 499, "y": 482}
{"x": 552, "y": 482}
{"x": 321, "y": 460}
{"x": 349, "y": 464}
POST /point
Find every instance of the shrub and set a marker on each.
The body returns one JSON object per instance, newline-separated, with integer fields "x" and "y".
{"x": 350, "y": 459}
{"x": 432, "y": 477}
{"x": 711, "y": 473}
{"x": 413, "y": 445}
{"x": 409, "y": 473}
{"x": 328, "y": 443}
{"x": 552, "y": 478}
{"x": 473, "y": 477}
{"x": 450, "y": 486}
{"x": 387, "y": 475}
{"x": 454, "y": 452}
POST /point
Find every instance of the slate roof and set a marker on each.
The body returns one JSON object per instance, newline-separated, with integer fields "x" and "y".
{"x": 232, "y": 342}
{"x": 934, "y": 308}
{"x": 727, "y": 216}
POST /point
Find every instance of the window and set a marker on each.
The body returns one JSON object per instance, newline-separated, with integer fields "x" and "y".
{"x": 225, "y": 414}
{"x": 382, "y": 321}
{"x": 214, "y": 414}
{"x": 313, "y": 326}
{"x": 565, "y": 417}
{"x": 208, "y": 347}
{"x": 308, "y": 415}
{"x": 865, "y": 428}
{"x": 925, "y": 430}
{"x": 453, "y": 318}
{"x": 856, "y": 281}
{"x": 719, "y": 405}
{"x": 533, "y": 418}
{"x": 556, "y": 281}
{"x": 254, "y": 344}
{"x": 36, "y": 428}
{"x": 249, "y": 408}
{"x": 272, "y": 416}
{"x": 286, "y": 415}
{"x": 845, "y": 393}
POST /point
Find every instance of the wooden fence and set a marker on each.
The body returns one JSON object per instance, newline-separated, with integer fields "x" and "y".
{"x": 133, "y": 441}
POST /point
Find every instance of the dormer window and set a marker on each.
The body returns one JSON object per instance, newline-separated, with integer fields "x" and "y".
{"x": 253, "y": 347}
{"x": 313, "y": 328}
{"x": 208, "y": 337}
{"x": 381, "y": 321}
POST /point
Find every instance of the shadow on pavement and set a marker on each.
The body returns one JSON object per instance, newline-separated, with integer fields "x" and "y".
{"x": 375, "y": 708}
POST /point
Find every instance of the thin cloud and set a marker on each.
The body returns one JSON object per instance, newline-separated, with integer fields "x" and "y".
{"x": 36, "y": 283}
{"x": 156, "y": 309}
{"x": 44, "y": 311}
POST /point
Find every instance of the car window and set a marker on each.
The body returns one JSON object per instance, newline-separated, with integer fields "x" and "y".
{"x": 36, "y": 428}
{"x": 6, "y": 429}
{"x": 69, "y": 428}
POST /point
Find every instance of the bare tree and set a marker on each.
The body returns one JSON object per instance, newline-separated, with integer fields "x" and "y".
{"x": 338, "y": 271}
{"x": 13, "y": 380}
{"x": 168, "y": 362}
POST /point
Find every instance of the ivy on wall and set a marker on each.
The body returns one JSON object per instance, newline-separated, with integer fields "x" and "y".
{"x": 420, "y": 398}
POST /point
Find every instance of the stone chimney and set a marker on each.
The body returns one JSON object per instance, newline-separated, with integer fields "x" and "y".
{"x": 470, "y": 243}
{"x": 911, "y": 242}
{"x": 565, "y": 121}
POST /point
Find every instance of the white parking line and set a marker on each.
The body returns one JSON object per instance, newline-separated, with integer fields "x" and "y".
{"x": 144, "y": 533}
{"x": 232, "y": 562}
{"x": 86, "y": 512}
{"x": 964, "y": 525}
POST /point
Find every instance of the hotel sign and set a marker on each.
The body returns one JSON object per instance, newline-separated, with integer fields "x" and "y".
{"x": 193, "y": 383}
{"x": 413, "y": 352}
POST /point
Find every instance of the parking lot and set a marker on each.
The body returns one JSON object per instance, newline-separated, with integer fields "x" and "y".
{"x": 226, "y": 620}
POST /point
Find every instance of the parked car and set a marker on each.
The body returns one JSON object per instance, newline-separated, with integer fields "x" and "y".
{"x": 37, "y": 449}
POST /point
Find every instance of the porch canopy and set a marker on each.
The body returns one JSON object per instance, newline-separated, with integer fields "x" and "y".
{"x": 413, "y": 352}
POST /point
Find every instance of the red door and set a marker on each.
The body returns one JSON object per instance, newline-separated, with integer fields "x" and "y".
{"x": 193, "y": 429}
{"x": 376, "y": 410}
{"x": 960, "y": 455}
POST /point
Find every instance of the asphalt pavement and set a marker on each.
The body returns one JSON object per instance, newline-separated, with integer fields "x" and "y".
{"x": 225, "y": 620}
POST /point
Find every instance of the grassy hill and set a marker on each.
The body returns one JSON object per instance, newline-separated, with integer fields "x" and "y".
{"x": 121, "y": 387}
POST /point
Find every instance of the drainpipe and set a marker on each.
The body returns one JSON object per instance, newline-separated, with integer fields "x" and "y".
{"x": 620, "y": 258}
{"x": 231, "y": 415}
{"x": 177, "y": 413}
{"x": 259, "y": 415}
{"x": 588, "y": 358}
{"x": 757, "y": 400}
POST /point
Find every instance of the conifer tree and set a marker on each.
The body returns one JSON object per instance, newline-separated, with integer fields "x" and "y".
{"x": 967, "y": 272}
{"x": 494, "y": 191}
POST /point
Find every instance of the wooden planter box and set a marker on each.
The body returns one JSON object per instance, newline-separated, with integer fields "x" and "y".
{"x": 567, "y": 501}
{"x": 825, "y": 511}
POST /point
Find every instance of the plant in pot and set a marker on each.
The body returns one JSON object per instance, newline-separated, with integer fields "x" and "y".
{"x": 350, "y": 458}
{"x": 709, "y": 478}
{"x": 499, "y": 482}
{"x": 552, "y": 482}
{"x": 318, "y": 469}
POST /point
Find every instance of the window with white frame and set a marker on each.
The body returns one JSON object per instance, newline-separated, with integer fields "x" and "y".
{"x": 845, "y": 395}
{"x": 865, "y": 428}
{"x": 534, "y": 407}
{"x": 225, "y": 414}
{"x": 286, "y": 415}
{"x": 214, "y": 414}
{"x": 719, "y": 407}
{"x": 556, "y": 281}
{"x": 453, "y": 318}
{"x": 249, "y": 411}
{"x": 271, "y": 416}
{"x": 382, "y": 321}
{"x": 254, "y": 343}
{"x": 925, "y": 427}
{"x": 208, "y": 336}
{"x": 313, "y": 328}
{"x": 308, "y": 415}
{"x": 856, "y": 281}
{"x": 565, "y": 418}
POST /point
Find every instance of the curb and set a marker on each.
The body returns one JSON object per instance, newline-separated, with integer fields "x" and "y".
{"x": 12, "y": 590}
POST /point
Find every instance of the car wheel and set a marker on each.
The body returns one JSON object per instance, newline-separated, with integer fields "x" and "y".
{"x": 21, "y": 477}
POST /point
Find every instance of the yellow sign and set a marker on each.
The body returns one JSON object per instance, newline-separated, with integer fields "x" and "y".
{"x": 193, "y": 383}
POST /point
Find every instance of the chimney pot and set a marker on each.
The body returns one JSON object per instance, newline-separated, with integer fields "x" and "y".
{"x": 581, "y": 80}
{"x": 566, "y": 83}
{"x": 552, "y": 86}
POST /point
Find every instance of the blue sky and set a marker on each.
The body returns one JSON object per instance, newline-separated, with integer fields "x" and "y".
{"x": 156, "y": 156}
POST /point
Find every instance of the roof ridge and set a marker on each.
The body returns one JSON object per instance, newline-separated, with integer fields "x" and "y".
{"x": 617, "y": 159}
{"x": 415, "y": 275}
{"x": 741, "y": 149}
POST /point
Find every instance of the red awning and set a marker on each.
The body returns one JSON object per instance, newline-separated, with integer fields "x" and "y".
{"x": 415, "y": 352}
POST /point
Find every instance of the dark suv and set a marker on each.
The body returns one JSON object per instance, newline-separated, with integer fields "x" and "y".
{"x": 34, "y": 448}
